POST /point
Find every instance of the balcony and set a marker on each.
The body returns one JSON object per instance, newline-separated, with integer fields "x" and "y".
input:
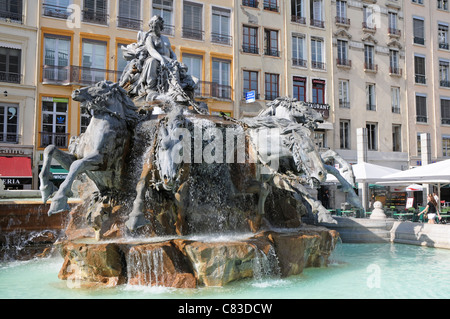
{"x": 419, "y": 40}
{"x": 214, "y": 90}
{"x": 370, "y": 67}
{"x": 445, "y": 121}
{"x": 342, "y": 21}
{"x": 168, "y": 29}
{"x": 76, "y": 75}
{"x": 344, "y": 62}
{"x": 421, "y": 119}
{"x": 10, "y": 77}
{"x": 318, "y": 65}
{"x": 194, "y": 34}
{"x": 317, "y": 23}
{"x": 420, "y": 79}
{"x": 393, "y": 32}
{"x": 11, "y": 16}
{"x": 129, "y": 23}
{"x": 370, "y": 27}
{"x": 250, "y": 3}
{"x": 246, "y": 48}
{"x": 444, "y": 83}
{"x": 57, "y": 139}
{"x": 51, "y": 10}
{"x": 443, "y": 45}
{"x": 221, "y": 38}
{"x": 96, "y": 17}
{"x": 393, "y": 70}
{"x": 12, "y": 138}
{"x": 271, "y": 52}
{"x": 299, "y": 62}
{"x": 298, "y": 19}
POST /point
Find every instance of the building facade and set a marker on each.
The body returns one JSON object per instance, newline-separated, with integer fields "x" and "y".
{"x": 18, "y": 51}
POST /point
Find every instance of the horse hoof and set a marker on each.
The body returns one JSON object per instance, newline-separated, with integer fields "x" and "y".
{"x": 46, "y": 192}
{"x": 56, "y": 208}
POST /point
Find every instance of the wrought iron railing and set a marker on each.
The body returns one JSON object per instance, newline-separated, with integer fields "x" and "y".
{"x": 168, "y": 29}
{"x": 342, "y": 20}
{"x": 299, "y": 62}
{"x": 419, "y": 40}
{"x": 370, "y": 66}
{"x": 394, "y": 31}
{"x": 195, "y": 34}
{"x": 10, "y": 77}
{"x": 129, "y": 23}
{"x": 250, "y": 3}
{"x": 317, "y": 23}
{"x": 57, "y": 139}
{"x": 97, "y": 17}
{"x": 298, "y": 19}
{"x": 76, "y": 75}
{"x": 344, "y": 62}
{"x": 318, "y": 65}
{"x": 12, "y": 138}
{"x": 421, "y": 79}
{"x": 271, "y": 52}
{"x": 213, "y": 89}
{"x": 221, "y": 38}
{"x": 11, "y": 16}
{"x": 246, "y": 48}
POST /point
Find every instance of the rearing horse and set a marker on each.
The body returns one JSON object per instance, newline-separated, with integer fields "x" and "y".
{"x": 100, "y": 151}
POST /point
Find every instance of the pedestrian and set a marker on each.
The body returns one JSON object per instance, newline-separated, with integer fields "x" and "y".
{"x": 431, "y": 209}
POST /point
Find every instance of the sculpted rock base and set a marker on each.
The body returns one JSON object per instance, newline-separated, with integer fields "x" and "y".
{"x": 186, "y": 263}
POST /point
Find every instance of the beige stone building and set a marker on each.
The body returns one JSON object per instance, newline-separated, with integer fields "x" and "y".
{"x": 428, "y": 77}
{"x": 18, "y": 51}
{"x": 368, "y": 76}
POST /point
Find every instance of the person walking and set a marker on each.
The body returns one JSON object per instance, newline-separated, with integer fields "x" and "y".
{"x": 431, "y": 210}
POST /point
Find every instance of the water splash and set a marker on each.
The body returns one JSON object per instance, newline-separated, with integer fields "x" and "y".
{"x": 145, "y": 268}
{"x": 266, "y": 265}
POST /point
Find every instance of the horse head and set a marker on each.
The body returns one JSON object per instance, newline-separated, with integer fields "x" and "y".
{"x": 172, "y": 135}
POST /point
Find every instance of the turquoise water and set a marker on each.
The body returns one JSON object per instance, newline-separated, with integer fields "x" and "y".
{"x": 357, "y": 271}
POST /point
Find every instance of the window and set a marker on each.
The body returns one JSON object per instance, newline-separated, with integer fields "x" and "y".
{"x": 417, "y": 1}
{"x": 10, "y": 65}
{"x": 421, "y": 108}
{"x": 271, "y": 42}
{"x": 251, "y": 82}
{"x": 341, "y": 12}
{"x": 298, "y": 11}
{"x": 56, "y": 58}
{"x": 54, "y": 122}
{"x": 316, "y": 13}
{"x": 9, "y": 123}
{"x": 271, "y": 5}
{"x": 369, "y": 60}
{"x": 368, "y": 18}
{"x": 221, "y": 26}
{"x": 419, "y": 69}
{"x": 395, "y": 99}
{"x": 419, "y": 144}
{"x": 444, "y": 73}
{"x": 56, "y": 8}
{"x": 195, "y": 67}
{"x": 317, "y": 58}
{"x": 446, "y": 146}
{"x": 85, "y": 119}
{"x": 442, "y": 4}
{"x": 250, "y": 3}
{"x": 393, "y": 27}
{"x": 221, "y": 79}
{"x": 344, "y": 134}
{"x": 11, "y": 10}
{"x": 121, "y": 62}
{"x": 192, "y": 20}
{"x": 342, "y": 53}
{"x": 299, "y": 92}
{"x": 318, "y": 91}
{"x": 272, "y": 86}
{"x": 418, "y": 31}
{"x": 298, "y": 50}
{"x": 93, "y": 61}
{"x": 445, "y": 111}
{"x": 95, "y": 11}
{"x": 443, "y": 36}
{"x": 129, "y": 14}
{"x": 396, "y": 138}
{"x": 372, "y": 134}
{"x": 164, "y": 9}
{"x": 393, "y": 62}
{"x": 344, "y": 95}
{"x": 320, "y": 139}
{"x": 370, "y": 97}
{"x": 250, "y": 40}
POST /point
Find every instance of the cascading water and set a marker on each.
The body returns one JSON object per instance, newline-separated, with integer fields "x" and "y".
{"x": 266, "y": 265}
{"x": 145, "y": 268}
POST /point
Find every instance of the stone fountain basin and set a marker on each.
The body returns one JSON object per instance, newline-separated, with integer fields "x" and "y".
{"x": 192, "y": 261}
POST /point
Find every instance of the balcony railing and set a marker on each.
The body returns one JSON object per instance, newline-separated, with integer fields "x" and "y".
{"x": 271, "y": 52}
{"x": 57, "y": 139}
{"x": 299, "y": 62}
{"x": 97, "y": 17}
{"x": 76, "y": 75}
{"x": 421, "y": 119}
{"x": 317, "y": 23}
{"x": 342, "y": 20}
{"x": 394, "y": 70}
{"x": 221, "y": 38}
{"x": 444, "y": 83}
{"x": 250, "y": 3}
{"x": 129, "y": 23}
{"x": 270, "y": 6}
{"x": 51, "y": 10}
{"x": 318, "y": 65}
{"x": 443, "y": 45}
{"x": 394, "y": 32}
{"x": 370, "y": 66}
{"x": 12, "y": 138}
{"x": 419, "y": 40}
{"x": 344, "y": 62}
{"x": 10, "y": 77}
{"x": 195, "y": 34}
{"x": 11, "y": 16}
{"x": 298, "y": 19}
{"x": 369, "y": 26}
{"x": 250, "y": 49}
{"x": 419, "y": 78}
{"x": 168, "y": 29}
{"x": 445, "y": 121}
{"x": 212, "y": 89}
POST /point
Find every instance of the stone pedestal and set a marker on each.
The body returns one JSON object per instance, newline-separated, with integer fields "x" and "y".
{"x": 378, "y": 212}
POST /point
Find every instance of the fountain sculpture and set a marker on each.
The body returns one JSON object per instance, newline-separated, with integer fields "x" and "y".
{"x": 159, "y": 174}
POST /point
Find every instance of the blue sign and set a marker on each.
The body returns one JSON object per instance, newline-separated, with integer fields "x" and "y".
{"x": 250, "y": 96}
